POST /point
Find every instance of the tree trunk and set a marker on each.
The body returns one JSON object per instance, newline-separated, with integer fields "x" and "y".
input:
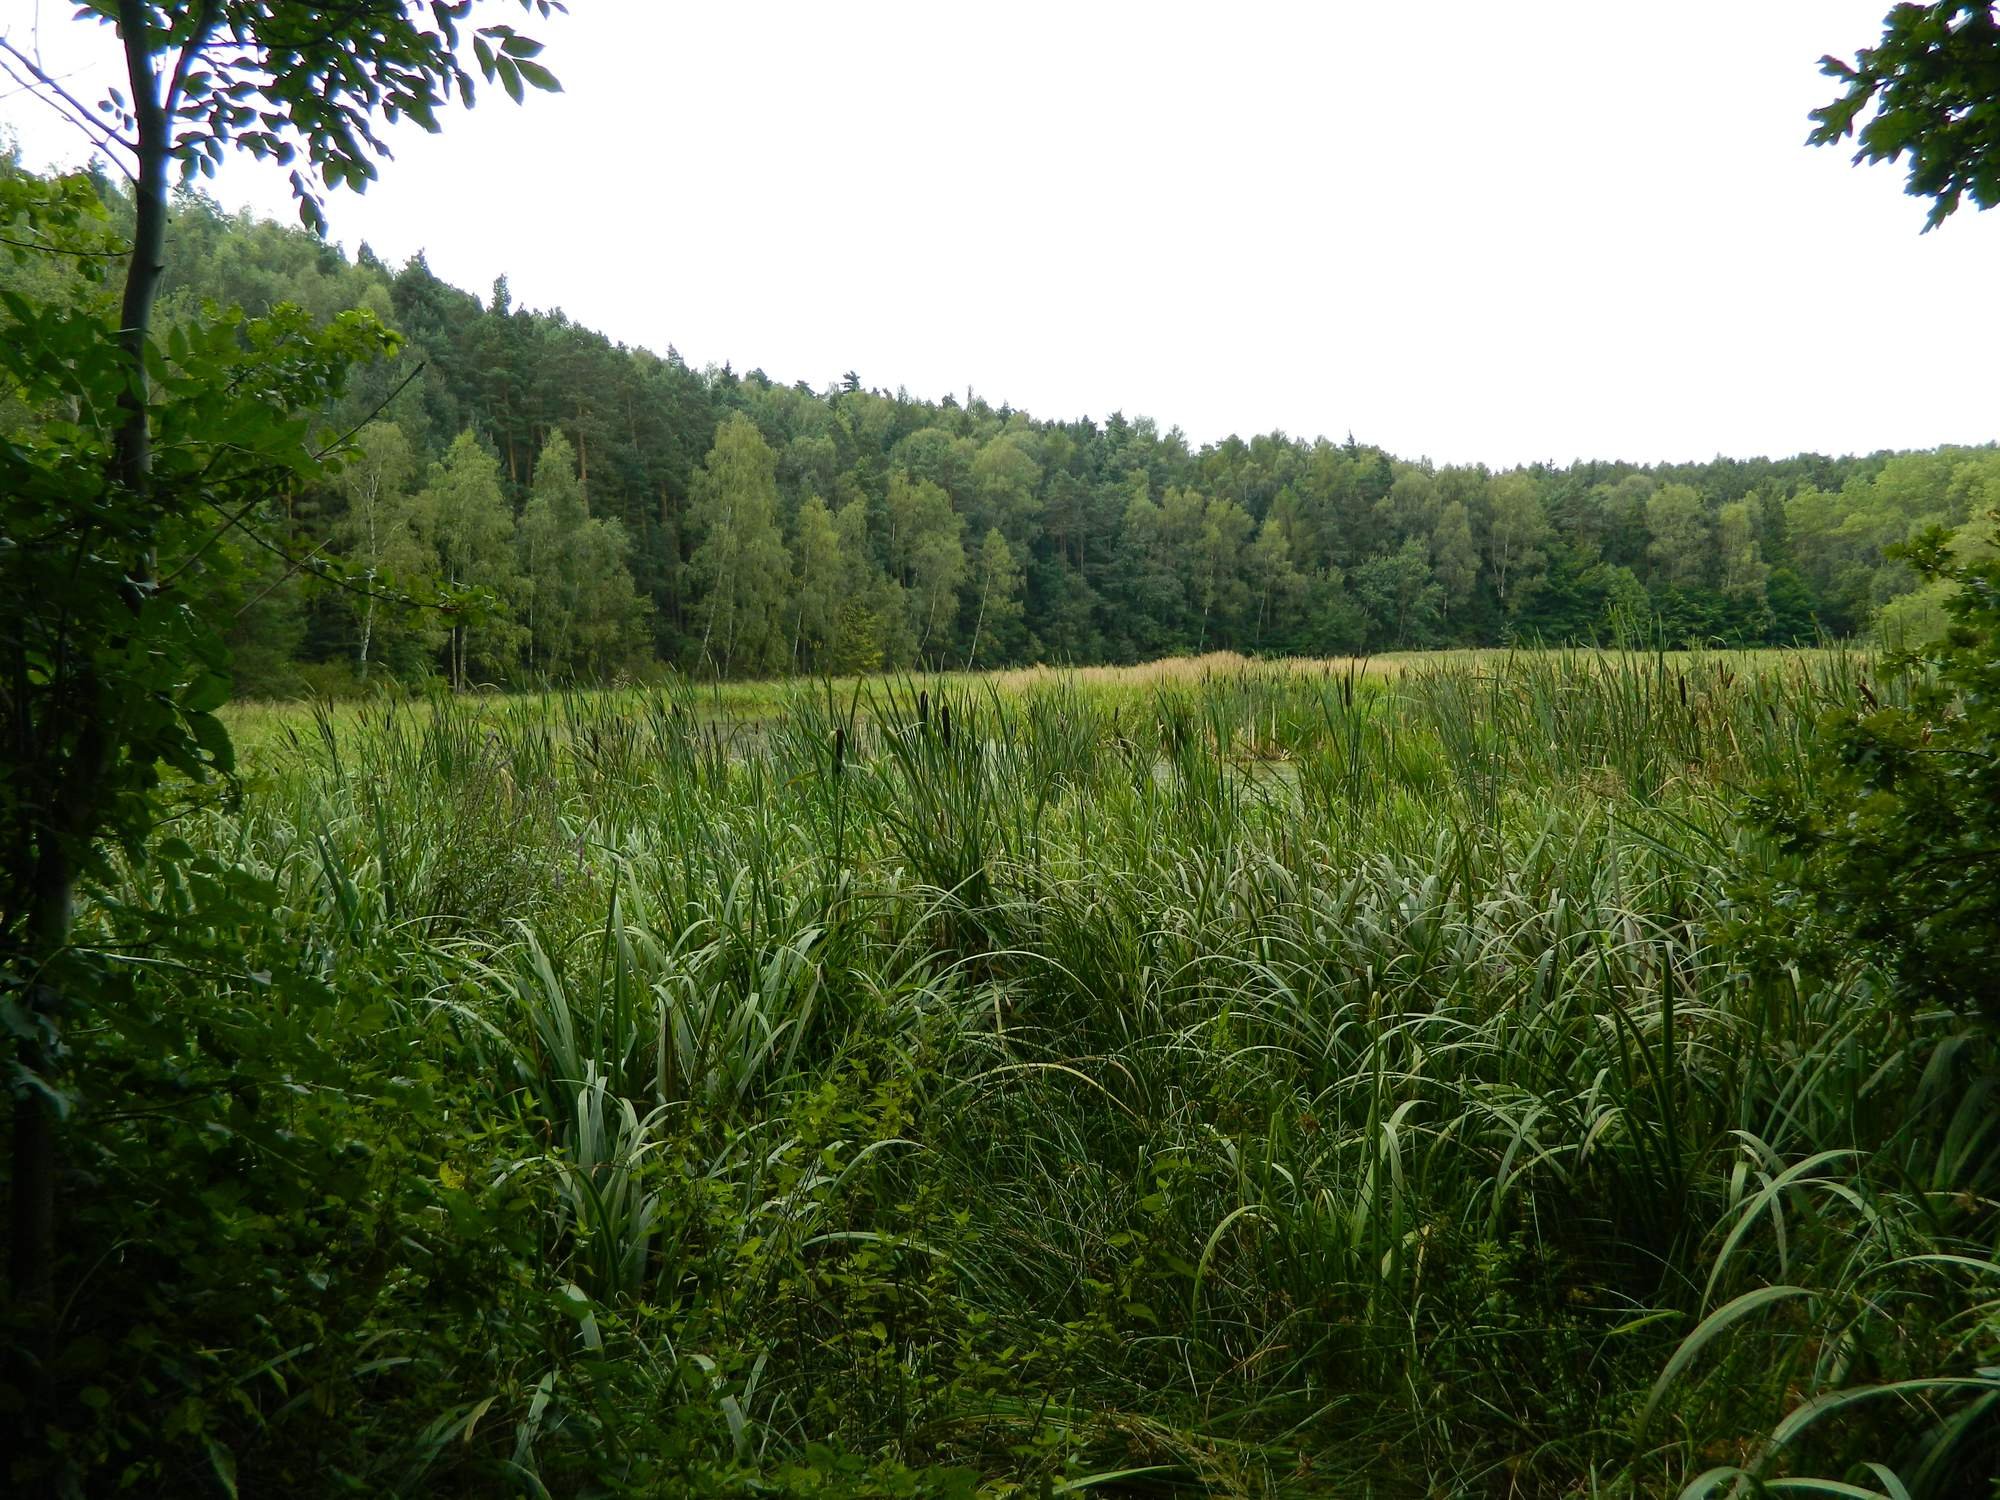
{"x": 368, "y": 611}
{"x": 534, "y": 594}
{"x": 75, "y": 813}
{"x": 367, "y": 624}
{"x": 978, "y": 625}
{"x": 134, "y": 447}
{"x": 31, "y": 1261}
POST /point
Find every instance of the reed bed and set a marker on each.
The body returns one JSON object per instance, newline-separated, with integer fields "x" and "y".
{"x": 1201, "y": 1080}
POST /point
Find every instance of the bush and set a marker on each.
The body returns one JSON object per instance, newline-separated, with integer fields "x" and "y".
{"x": 1894, "y": 840}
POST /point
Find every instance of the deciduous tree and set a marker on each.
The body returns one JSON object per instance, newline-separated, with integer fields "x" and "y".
{"x": 997, "y": 581}
{"x": 125, "y": 686}
{"x": 1678, "y": 525}
{"x": 378, "y": 536}
{"x": 582, "y": 614}
{"x": 817, "y": 575}
{"x": 1927, "y": 90}
{"x": 739, "y": 564}
{"x": 1514, "y": 536}
{"x": 463, "y": 517}
{"x": 1454, "y": 556}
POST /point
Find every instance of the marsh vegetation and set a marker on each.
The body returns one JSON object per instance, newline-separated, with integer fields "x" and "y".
{"x": 1273, "y": 1081}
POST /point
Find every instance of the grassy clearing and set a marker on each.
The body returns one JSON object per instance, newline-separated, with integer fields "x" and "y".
{"x": 1312, "y": 1080}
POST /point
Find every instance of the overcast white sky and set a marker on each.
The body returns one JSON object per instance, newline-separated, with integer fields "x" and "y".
{"x": 1490, "y": 232}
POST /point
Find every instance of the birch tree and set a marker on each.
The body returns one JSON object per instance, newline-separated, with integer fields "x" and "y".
{"x": 464, "y": 517}
{"x": 378, "y": 532}
{"x": 739, "y": 564}
{"x": 998, "y": 578}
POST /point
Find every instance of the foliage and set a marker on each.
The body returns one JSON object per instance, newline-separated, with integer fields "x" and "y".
{"x": 739, "y": 556}
{"x": 111, "y": 672}
{"x": 583, "y": 616}
{"x": 111, "y": 668}
{"x": 380, "y": 535}
{"x": 1897, "y": 837}
{"x": 1246, "y": 1083}
{"x": 465, "y": 521}
{"x": 130, "y": 464}
{"x": 281, "y": 83}
{"x": 998, "y": 578}
{"x": 1932, "y": 82}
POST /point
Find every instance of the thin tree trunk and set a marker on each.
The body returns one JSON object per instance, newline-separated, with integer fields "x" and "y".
{"x": 534, "y": 594}
{"x": 930, "y": 618}
{"x": 368, "y": 610}
{"x": 76, "y": 812}
{"x": 367, "y": 624}
{"x": 708, "y": 625}
{"x": 133, "y": 451}
{"x": 978, "y": 625}
{"x": 31, "y": 1251}
{"x": 70, "y": 793}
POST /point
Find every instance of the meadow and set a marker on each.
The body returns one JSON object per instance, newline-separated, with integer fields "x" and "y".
{"x": 1342, "y": 1078}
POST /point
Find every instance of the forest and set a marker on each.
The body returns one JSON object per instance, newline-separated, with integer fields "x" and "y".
{"x": 619, "y": 510}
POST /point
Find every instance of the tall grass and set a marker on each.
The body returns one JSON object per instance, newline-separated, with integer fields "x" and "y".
{"x": 1259, "y": 1082}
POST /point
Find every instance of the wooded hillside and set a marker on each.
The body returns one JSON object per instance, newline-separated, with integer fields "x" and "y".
{"x": 623, "y": 509}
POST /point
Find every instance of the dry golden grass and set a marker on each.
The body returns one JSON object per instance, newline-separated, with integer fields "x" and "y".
{"x": 1192, "y": 671}
{"x": 258, "y": 722}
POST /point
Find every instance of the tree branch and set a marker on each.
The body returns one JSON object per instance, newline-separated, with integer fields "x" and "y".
{"x": 374, "y": 412}
{"x": 65, "y": 103}
{"x": 204, "y": 22}
{"x": 60, "y": 250}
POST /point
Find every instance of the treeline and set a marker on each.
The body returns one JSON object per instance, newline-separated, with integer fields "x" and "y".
{"x": 620, "y": 509}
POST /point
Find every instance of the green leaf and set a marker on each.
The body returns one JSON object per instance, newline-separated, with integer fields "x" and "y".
{"x": 538, "y": 76}
{"x": 1709, "y": 1329}
{"x": 208, "y": 692}
{"x": 223, "y": 1463}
